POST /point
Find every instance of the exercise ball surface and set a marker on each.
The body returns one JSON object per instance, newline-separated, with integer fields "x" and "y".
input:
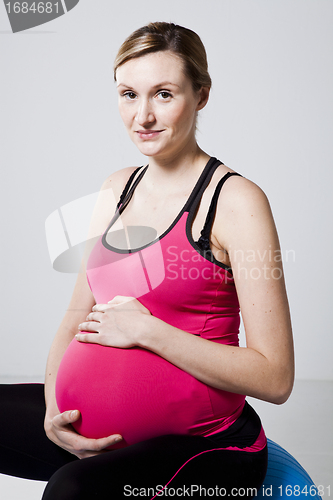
{"x": 285, "y": 477}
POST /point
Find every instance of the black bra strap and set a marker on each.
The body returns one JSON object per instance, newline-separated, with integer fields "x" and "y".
{"x": 205, "y": 232}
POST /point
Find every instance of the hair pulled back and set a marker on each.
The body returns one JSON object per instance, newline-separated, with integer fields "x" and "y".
{"x": 161, "y": 36}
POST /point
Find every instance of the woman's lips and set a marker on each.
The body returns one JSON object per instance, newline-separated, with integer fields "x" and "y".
{"x": 148, "y": 134}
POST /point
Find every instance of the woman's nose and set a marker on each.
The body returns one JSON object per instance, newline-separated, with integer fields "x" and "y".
{"x": 144, "y": 113}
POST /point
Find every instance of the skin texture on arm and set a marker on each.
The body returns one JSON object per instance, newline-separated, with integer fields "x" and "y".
{"x": 257, "y": 262}
{"x": 243, "y": 226}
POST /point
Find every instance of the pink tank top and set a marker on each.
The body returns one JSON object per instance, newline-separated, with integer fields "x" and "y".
{"x": 133, "y": 391}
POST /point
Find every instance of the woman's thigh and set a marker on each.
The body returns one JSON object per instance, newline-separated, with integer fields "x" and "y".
{"x": 25, "y": 450}
{"x": 188, "y": 466}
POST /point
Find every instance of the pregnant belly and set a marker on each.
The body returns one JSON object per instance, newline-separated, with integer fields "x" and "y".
{"x": 133, "y": 392}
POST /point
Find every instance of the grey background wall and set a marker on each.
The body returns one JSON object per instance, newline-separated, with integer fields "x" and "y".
{"x": 269, "y": 117}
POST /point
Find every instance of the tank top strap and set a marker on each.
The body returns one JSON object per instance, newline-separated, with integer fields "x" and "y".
{"x": 127, "y": 193}
{"x": 199, "y": 187}
{"x": 203, "y": 241}
{"x": 202, "y": 183}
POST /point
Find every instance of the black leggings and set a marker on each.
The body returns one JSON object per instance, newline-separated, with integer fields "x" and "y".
{"x": 139, "y": 470}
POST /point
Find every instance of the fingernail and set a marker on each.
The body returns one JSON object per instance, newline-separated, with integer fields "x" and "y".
{"x": 73, "y": 414}
{"x": 119, "y": 438}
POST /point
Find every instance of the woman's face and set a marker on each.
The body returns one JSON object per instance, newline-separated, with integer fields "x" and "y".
{"x": 158, "y": 104}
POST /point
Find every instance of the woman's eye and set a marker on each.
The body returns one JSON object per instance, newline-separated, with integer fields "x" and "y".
{"x": 129, "y": 95}
{"x": 164, "y": 94}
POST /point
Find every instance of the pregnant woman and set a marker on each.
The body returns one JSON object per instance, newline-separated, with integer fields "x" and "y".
{"x": 145, "y": 383}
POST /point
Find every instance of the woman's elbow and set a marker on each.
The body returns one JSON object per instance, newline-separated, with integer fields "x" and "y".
{"x": 281, "y": 387}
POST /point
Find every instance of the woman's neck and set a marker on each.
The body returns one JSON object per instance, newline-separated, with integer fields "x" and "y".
{"x": 183, "y": 165}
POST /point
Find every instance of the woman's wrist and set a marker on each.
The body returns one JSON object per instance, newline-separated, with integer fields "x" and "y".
{"x": 147, "y": 331}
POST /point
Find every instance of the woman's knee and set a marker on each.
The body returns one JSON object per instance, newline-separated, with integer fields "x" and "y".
{"x": 68, "y": 484}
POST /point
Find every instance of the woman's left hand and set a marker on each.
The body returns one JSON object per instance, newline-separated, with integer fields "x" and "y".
{"x": 114, "y": 324}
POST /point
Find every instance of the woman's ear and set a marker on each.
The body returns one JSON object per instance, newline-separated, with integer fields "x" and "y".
{"x": 203, "y": 97}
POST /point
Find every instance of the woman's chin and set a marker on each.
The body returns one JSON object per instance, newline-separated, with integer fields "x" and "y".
{"x": 149, "y": 149}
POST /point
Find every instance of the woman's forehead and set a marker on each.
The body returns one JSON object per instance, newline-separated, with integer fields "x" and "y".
{"x": 152, "y": 69}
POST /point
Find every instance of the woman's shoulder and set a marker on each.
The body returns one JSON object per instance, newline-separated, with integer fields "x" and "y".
{"x": 240, "y": 193}
{"x": 118, "y": 179}
{"x": 243, "y": 213}
{"x": 244, "y": 224}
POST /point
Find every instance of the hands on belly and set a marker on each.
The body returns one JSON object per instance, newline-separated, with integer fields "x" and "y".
{"x": 58, "y": 429}
{"x": 114, "y": 324}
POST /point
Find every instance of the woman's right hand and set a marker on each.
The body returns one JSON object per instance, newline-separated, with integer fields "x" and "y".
{"x": 58, "y": 429}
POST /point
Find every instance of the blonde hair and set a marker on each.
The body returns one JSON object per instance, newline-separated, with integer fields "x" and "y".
{"x": 161, "y": 36}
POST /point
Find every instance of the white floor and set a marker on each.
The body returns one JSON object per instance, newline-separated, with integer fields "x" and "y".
{"x": 303, "y": 426}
